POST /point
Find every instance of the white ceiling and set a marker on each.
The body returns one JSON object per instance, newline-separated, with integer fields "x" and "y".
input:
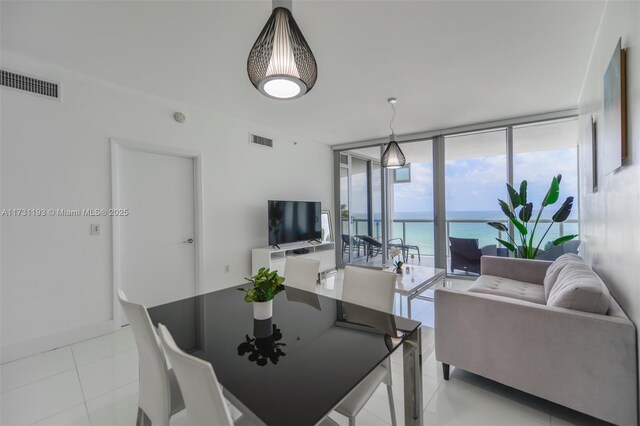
{"x": 449, "y": 63}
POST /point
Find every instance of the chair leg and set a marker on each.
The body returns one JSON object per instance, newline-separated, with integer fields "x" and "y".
{"x": 392, "y": 407}
{"x": 445, "y": 371}
{"x": 352, "y": 421}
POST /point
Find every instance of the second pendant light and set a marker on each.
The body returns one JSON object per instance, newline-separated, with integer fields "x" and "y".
{"x": 393, "y": 158}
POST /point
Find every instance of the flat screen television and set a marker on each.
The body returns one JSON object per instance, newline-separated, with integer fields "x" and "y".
{"x": 292, "y": 221}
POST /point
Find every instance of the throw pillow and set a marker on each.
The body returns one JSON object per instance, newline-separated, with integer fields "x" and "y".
{"x": 579, "y": 287}
{"x": 554, "y": 270}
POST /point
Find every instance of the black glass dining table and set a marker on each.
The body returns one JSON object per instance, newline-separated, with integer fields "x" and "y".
{"x": 296, "y": 367}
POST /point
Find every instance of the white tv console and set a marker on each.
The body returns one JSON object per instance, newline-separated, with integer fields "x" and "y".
{"x": 275, "y": 259}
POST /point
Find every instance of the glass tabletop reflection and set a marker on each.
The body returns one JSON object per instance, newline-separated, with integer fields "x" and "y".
{"x": 294, "y": 368}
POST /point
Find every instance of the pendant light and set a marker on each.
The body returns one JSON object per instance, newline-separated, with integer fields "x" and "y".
{"x": 281, "y": 64}
{"x": 393, "y": 158}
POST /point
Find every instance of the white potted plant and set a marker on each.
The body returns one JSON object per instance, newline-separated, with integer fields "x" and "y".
{"x": 266, "y": 284}
{"x": 393, "y": 253}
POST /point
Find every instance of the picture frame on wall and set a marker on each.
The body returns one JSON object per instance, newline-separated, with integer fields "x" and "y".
{"x": 613, "y": 145}
{"x": 591, "y": 155}
{"x": 327, "y": 227}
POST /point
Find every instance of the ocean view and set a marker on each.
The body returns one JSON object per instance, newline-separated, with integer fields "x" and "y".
{"x": 417, "y": 227}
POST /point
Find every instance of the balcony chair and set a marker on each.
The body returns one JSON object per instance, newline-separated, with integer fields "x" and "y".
{"x": 466, "y": 254}
{"x": 349, "y": 246}
{"x": 404, "y": 247}
{"x": 371, "y": 246}
{"x": 552, "y": 253}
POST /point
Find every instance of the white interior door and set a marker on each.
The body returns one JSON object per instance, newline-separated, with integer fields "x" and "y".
{"x": 157, "y": 238}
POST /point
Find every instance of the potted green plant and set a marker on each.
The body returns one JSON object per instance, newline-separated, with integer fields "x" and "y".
{"x": 527, "y": 247}
{"x": 266, "y": 284}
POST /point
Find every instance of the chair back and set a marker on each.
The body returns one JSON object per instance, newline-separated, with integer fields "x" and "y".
{"x": 553, "y": 252}
{"x": 199, "y": 385}
{"x": 301, "y": 273}
{"x": 154, "y": 394}
{"x": 466, "y": 247}
{"x": 372, "y": 288}
{"x": 367, "y": 239}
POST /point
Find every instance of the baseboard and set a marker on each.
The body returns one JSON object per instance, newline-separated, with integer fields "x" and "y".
{"x": 38, "y": 345}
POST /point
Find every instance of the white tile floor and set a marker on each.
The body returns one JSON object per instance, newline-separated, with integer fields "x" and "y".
{"x": 96, "y": 383}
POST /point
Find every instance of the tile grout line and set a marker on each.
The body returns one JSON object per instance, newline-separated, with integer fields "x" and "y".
{"x": 57, "y": 412}
{"x": 431, "y": 399}
{"x": 84, "y": 399}
{"x": 36, "y": 381}
{"x": 112, "y": 390}
{"x": 103, "y": 357}
{"x": 107, "y": 356}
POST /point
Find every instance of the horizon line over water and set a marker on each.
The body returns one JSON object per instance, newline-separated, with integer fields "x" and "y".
{"x": 421, "y": 233}
{"x": 459, "y": 214}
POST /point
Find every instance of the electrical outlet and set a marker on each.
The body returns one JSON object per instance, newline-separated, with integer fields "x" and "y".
{"x": 227, "y": 268}
{"x": 95, "y": 229}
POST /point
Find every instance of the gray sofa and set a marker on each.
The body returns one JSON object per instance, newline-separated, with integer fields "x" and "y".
{"x": 547, "y": 328}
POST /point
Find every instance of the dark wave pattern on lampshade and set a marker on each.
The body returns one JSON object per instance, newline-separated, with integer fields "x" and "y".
{"x": 281, "y": 64}
{"x": 392, "y": 157}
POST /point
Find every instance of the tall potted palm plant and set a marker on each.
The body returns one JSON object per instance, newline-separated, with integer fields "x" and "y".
{"x": 520, "y": 212}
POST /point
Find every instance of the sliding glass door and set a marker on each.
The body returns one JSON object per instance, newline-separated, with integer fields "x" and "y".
{"x": 475, "y": 177}
{"x": 410, "y": 197}
{"x": 360, "y": 207}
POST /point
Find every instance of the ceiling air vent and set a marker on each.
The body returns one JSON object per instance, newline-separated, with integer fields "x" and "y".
{"x": 29, "y": 84}
{"x": 260, "y": 140}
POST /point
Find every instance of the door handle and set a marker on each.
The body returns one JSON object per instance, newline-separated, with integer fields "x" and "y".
{"x": 189, "y": 241}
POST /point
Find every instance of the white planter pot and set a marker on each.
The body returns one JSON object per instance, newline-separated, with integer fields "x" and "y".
{"x": 263, "y": 310}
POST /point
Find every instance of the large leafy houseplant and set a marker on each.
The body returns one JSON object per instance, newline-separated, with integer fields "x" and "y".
{"x": 266, "y": 284}
{"x": 526, "y": 247}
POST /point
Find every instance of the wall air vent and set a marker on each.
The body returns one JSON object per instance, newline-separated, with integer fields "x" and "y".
{"x": 260, "y": 140}
{"x": 29, "y": 84}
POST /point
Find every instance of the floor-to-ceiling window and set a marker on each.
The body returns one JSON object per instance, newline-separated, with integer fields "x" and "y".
{"x": 360, "y": 206}
{"x": 410, "y": 195}
{"x": 471, "y": 170}
{"x": 475, "y": 177}
{"x": 541, "y": 151}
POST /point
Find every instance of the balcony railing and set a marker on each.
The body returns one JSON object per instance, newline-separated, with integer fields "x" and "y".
{"x": 486, "y": 235}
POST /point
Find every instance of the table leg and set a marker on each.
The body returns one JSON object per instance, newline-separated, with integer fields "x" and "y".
{"x": 412, "y": 364}
{"x": 409, "y": 306}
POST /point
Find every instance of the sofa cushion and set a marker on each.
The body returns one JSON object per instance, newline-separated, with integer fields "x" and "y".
{"x": 579, "y": 287}
{"x": 500, "y": 286}
{"x": 554, "y": 269}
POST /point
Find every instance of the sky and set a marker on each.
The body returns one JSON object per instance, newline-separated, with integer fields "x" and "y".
{"x": 475, "y": 184}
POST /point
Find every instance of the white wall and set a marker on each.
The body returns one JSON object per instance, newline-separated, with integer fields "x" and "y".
{"x": 609, "y": 218}
{"x": 56, "y": 277}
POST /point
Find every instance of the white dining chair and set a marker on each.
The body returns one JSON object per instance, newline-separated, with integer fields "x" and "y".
{"x": 159, "y": 395}
{"x": 199, "y": 384}
{"x": 201, "y": 389}
{"x": 374, "y": 289}
{"x": 369, "y": 287}
{"x": 301, "y": 273}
